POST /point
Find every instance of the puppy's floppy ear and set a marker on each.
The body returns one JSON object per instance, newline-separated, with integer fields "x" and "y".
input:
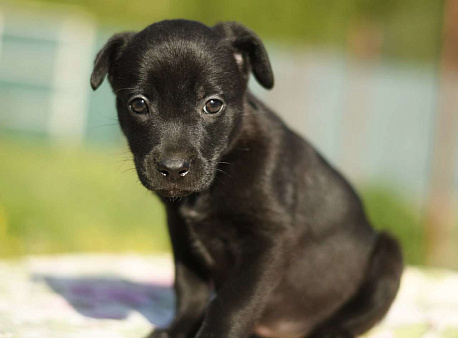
{"x": 107, "y": 56}
{"x": 249, "y": 48}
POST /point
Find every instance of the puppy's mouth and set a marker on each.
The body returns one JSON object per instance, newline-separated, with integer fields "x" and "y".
{"x": 174, "y": 193}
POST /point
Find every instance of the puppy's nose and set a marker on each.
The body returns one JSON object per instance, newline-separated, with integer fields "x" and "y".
{"x": 173, "y": 169}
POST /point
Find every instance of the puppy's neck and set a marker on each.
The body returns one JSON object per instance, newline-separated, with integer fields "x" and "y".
{"x": 256, "y": 126}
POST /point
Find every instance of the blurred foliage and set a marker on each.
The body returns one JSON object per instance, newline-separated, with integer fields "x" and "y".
{"x": 58, "y": 199}
{"x": 410, "y": 28}
{"x": 388, "y": 211}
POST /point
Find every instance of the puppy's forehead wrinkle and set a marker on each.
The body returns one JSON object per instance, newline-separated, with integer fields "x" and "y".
{"x": 180, "y": 70}
{"x": 172, "y": 48}
{"x": 181, "y": 56}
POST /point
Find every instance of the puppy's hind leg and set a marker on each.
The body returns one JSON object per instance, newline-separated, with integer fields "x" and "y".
{"x": 374, "y": 297}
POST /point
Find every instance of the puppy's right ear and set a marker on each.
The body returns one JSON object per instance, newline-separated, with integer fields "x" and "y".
{"x": 107, "y": 56}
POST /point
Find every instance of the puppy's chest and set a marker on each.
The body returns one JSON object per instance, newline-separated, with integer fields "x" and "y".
{"x": 210, "y": 239}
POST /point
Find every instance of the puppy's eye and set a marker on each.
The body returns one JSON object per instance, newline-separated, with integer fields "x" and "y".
{"x": 213, "y": 106}
{"x": 138, "y": 106}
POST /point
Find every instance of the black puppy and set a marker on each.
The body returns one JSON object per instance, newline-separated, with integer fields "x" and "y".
{"x": 266, "y": 222}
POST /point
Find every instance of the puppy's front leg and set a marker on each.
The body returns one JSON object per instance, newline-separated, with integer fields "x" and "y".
{"x": 192, "y": 297}
{"x": 241, "y": 300}
{"x": 192, "y": 285}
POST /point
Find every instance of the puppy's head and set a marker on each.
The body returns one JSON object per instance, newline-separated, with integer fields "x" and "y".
{"x": 180, "y": 91}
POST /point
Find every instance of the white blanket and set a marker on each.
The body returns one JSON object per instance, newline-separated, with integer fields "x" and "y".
{"x": 126, "y": 295}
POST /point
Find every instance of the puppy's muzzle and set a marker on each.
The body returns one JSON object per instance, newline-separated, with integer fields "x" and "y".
{"x": 173, "y": 169}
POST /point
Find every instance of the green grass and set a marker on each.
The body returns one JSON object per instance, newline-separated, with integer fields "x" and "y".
{"x": 57, "y": 199}
{"x": 410, "y": 29}
{"x": 61, "y": 198}
{"x": 388, "y": 211}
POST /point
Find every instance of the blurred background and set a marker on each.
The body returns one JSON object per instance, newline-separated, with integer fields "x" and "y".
{"x": 372, "y": 84}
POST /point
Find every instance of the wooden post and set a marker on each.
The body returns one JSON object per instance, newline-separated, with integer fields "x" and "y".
{"x": 440, "y": 249}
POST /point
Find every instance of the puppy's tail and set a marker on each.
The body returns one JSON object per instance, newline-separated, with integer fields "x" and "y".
{"x": 374, "y": 297}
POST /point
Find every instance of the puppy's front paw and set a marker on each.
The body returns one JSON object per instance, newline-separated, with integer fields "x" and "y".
{"x": 159, "y": 333}
{"x": 163, "y": 333}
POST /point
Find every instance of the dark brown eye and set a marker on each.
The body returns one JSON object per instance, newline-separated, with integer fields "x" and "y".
{"x": 138, "y": 106}
{"x": 213, "y": 106}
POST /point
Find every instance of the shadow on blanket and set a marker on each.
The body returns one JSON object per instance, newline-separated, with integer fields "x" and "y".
{"x": 114, "y": 298}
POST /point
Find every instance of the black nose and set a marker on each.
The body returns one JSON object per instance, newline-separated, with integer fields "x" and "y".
{"x": 173, "y": 169}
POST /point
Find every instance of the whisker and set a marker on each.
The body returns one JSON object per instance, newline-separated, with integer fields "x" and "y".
{"x": 103, "y": 126}
{"x": 123, "y": 161}
{"x": 128, "y": 169}
{"x": 220, "y": 170}
{"x": 111, "y": 118}
{"x": 123, "y": 152}
{"x": 219, "y": 180}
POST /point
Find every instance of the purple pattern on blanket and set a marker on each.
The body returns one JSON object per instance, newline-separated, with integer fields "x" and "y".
{"x": 114, "y": 298}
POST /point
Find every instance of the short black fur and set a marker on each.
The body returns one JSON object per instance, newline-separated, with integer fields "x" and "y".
{"x": 255, "y": 214}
